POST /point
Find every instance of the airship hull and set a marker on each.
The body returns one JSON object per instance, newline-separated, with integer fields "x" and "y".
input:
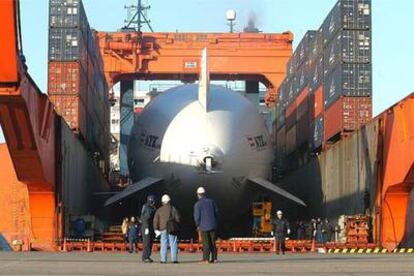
{"x": 174, "y": 135}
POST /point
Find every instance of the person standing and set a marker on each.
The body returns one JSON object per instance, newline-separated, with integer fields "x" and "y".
{"x": 124, "y": 229}
{"x": 337, "y": 232}
{"x": 319, "y": 231}
{"x": 147, "y": 230}
{"x": 166, "y": 225}
{"x": 132, "y": 235}
{"x": 329, "y": 231}
{"x": 206, "y": 221}
{"x": 281, "y": 229}
{"x": 301, "y": 229}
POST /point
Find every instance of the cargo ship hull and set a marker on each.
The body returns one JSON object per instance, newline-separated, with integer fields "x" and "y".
{"x": 369, "y": 172}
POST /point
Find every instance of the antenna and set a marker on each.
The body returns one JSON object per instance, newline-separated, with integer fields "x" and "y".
{"x": 137, "y": 16}
{"x": 231, "y": 17}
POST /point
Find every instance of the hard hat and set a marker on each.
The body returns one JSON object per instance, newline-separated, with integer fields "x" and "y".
{"x": 165, "y": 199}
{"x": 279, "y": 212}
{"x": 201, "y": 190}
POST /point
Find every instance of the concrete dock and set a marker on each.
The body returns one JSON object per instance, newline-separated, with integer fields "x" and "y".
{"x": 230, "y": 264}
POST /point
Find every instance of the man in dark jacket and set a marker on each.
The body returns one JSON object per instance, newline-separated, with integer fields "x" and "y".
{"x": 328, "y": 231}
{"x": 147, "y": 218}
{"x": 205, "y": 218}
{"x": 164, "y": 216}
{"x": 280, "y": 230}
{"x": 300, "y": 231}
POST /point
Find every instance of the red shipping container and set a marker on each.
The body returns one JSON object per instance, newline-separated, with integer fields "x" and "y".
{"x": 303, "y": 95}
{"x": 347, "y": 114}
{"x": 291, "y": 109}
{"x": 318, "y": 102}
{"x": 302, "y": 103}
{"x": 73, "y": 111}
{"x": 66, "y": 78}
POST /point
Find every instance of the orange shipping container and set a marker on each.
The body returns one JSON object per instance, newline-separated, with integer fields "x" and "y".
{"x": 302, "y": 103}
{"x": 291, "y": 109}
{"x": 73, "y": 110}
{"x": 66, "y": 78}
{"x": 347, "y": 114}
{"x": 318, "y": 102}
{"x": 303, "y": 95}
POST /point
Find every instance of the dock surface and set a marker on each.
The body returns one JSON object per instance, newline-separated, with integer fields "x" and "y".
{"x": 230, "y": 264}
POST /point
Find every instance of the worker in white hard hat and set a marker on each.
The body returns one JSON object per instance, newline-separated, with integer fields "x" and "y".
{"x": 166, "y": 225}
{"x": 281, "y": 229}
{"x": 206, "y": 221}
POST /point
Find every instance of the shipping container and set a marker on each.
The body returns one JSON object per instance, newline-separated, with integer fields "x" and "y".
{"x": 302, "y": 131}
{"x": 281, "y": 140}
{"x": 283, "y": 92}
{"x": 316, "y": 102}
{"x": 93, "y": 48}
{"x": 77, "y": 81}
{"x": 291, "y": 139}
{"x": 304, "y": 48}
{"x": 316, "y": 45}
{"x": 67, "y": 45}
{"x": 353, "y": 80}
{"x": 281, "y": 119}
{"x": 317, "y": 133}
{"x": 291, "y": 115}
{"x": 348, "y": 46}
{"x": 302, "y": 104}
{"x": 302, "y": 79}
{"x": 73, "y": 108}
{"x": 66, "y": 78}
{"x": 347, "y": 114}
{"x": 347, "y": 15}
{"x": 316, "y": 73}
{"x": 293, "y": 88}
{"x": 333, "y": 62}
{"x": 67, "y": 14}
{"x": 290, "y": 120}
{"x": 291, "y": 66}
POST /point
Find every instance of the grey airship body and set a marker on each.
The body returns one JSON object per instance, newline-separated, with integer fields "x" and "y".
{"x": 201, "y": 135}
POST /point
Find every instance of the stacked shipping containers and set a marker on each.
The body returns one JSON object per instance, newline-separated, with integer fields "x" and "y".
{"x": 347, "y": 67}
{"x": 327, "y": 91}
{"x": 77, "y": 85}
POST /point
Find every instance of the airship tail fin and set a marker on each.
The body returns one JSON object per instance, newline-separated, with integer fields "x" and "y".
{"x": 275, "y": 189}
{"x": 133, "y": 189}
{"x": 204, "y": 81}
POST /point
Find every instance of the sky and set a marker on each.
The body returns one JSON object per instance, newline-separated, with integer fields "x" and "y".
{"x": 393, "y": 39}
